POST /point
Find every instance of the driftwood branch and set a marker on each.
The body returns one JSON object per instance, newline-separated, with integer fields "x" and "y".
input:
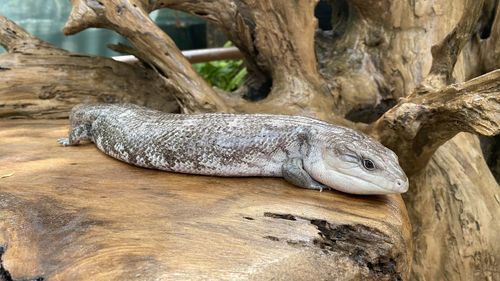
{"x": 418, "y": 125}
{"x": 39, "y": 80}
{"x": 130, "y": 19}
{"x": 285, "y": 59}
{"x": 434, "y": 113}
{"x": 16, "y": 40}
{"x": 445, "y": 54}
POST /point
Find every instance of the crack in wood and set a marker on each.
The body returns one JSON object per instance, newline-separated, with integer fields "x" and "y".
{"x": 280, "y": 216}
{"x": 4, "y": 274}
{"x": 358, "y": 241}
{"x": 365, "y": 245}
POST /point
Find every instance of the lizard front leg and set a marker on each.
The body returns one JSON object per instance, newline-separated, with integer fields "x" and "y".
{"x": 76, "y": 135}
{"x": 293, "y": 172}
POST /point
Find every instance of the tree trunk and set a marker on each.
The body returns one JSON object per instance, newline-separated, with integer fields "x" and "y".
{"x": 400, "y": 71}
{"x": 455, "y": 221}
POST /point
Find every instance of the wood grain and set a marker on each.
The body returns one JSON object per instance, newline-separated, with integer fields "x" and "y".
{"x": 73, "y": 213}
{"x": 39, "y": 80}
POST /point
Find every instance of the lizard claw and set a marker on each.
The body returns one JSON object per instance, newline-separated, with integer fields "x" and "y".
{"x": 63, "y": 141}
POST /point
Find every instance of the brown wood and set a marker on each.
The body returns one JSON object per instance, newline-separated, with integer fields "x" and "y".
{"x": 458, "y": 221}
{"x": 402, "y": 67}
{"x": 73, "y": 213}
{"x": 417, "y": 126}
{"x": 188, "y": 87}
{"x": 38, "y": 80}
{"x": 286, "y": 57}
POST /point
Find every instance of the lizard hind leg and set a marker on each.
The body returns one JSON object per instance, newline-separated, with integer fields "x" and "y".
{"x": 294, "y": 173}
{"x": 76, "y": 135}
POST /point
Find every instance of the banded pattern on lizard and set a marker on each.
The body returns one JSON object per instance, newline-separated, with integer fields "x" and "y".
{"x": 306, "y": 152}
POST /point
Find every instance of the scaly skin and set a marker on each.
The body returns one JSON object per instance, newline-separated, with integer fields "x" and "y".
{"x": 306, "y": 152}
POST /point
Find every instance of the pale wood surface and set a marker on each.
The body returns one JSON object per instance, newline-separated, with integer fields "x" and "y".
{"x": 73, "y": 213}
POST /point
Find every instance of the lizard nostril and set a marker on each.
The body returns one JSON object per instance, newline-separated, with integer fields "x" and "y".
{"x": 401, "y": 185}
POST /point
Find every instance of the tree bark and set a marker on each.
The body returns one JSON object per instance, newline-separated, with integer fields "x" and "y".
{"x": 455, "y": 226}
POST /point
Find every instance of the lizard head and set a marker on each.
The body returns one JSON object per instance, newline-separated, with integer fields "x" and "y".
{"x": 359, "y": 164}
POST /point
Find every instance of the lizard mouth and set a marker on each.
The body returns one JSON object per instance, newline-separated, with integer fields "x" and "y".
{"x": 354, "y": 184}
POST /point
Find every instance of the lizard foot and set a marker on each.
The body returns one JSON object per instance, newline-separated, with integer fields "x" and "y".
{"x": 293, "y": 172}
{"x": 63, "y": 141}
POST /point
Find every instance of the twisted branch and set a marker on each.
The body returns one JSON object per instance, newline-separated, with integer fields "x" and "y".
{"x": 16, "y": 40}
{"x": 286, "y": 58}
{"x": 417, "y": 126}
{"x": 445, "y": 54}
{"x": 130, "y": 19}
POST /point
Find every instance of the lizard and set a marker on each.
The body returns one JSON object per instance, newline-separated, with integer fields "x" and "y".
{"x": 306, "y": 152}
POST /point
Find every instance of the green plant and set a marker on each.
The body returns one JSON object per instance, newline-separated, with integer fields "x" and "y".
{"x": 224, "y": 74}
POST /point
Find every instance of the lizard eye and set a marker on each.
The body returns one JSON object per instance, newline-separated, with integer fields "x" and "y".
{"x": 368, "y": 164}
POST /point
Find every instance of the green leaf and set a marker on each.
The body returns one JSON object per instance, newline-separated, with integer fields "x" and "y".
{"x": 228, "y": 75}
{"x": 237, "y": 80}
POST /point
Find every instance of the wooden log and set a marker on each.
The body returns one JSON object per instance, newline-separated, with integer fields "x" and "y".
{"x": 48, "y": 86}
{"x": 39, "y": 80}
{"x": 73, "y": 213}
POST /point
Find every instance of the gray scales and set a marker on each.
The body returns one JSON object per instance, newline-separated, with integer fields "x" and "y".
{"x": 306, "y": 152}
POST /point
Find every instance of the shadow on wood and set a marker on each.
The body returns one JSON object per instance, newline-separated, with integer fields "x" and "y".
{"x": 73, "y": 213}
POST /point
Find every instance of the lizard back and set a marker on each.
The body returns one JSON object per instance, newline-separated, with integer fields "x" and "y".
{"x": 213, "y": 144}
